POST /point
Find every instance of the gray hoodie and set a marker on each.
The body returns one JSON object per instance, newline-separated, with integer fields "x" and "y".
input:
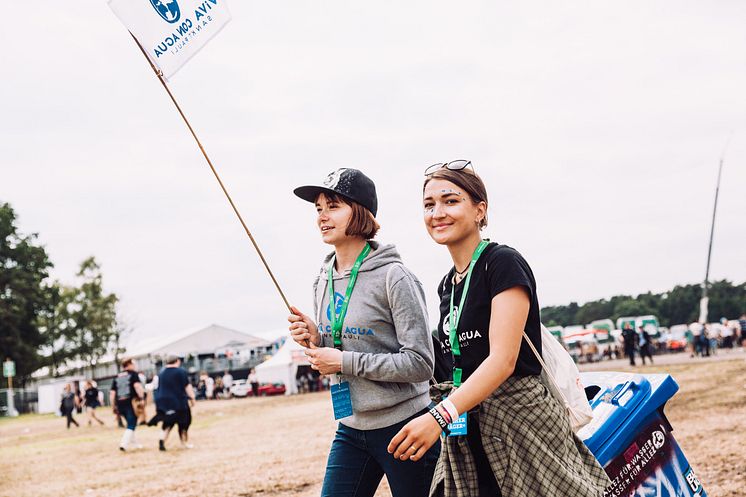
{"x": 387, "y": 351}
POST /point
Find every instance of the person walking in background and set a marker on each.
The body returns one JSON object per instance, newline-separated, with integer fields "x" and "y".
{"x": 518, "y": 440}
{"x": 714, "y": 337}
{"x": 68, "y": 403}
{"x": 217, "y": 391}
{"x": 227, "y": 384}
{"x": 174, "y": 398}
{"x": 254, "y": 382}
{"x": 704, "y": 341}
{"x": 646, "y": 346}
{"x": 209, "y": 386}
{"x": 202, "y": 386}
{"x": 127, "y": 389}
{"x": 742, "y": 326}
{"x": 370, "y": 330}
{"x": 79, "y": 395}
{"x": 727, "y": 333}
{"x": 92, "y": 401}
{"x": 690, "y": 344}
{"x": 630, "y": 342}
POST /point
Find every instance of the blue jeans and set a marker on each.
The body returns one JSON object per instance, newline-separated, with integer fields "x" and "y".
{"x": 128, "y": 413}
{"x": 358, "y": 460}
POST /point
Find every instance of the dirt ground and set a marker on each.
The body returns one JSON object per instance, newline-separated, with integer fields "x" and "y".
{"x": 278, "y": 446}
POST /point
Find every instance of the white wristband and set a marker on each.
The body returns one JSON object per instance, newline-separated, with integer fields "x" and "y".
{"x": 448, "y": 406}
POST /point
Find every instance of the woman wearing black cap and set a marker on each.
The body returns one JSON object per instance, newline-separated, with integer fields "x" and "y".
{"x": 518, "y": 439}
{"x": 369, "y": 331}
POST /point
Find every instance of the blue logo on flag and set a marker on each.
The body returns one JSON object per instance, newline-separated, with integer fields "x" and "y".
{"x": 167, "y": 9}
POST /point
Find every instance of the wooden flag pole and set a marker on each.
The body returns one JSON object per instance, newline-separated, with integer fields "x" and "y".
{"x": 217, "y": 177}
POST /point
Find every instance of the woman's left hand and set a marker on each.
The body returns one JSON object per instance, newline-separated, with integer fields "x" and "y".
{"x": 325, "y": 360}
{"x": 414, "y": 440}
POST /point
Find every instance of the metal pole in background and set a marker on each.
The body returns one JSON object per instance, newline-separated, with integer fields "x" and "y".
{"x": 705, "y": 300}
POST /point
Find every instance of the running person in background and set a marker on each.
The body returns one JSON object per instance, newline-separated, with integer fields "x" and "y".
{"x": 127, "y": 389}
{"x": 68, "y": 404}
{"x": 518, "y": 441}
{"x": 174, "y": 397}
{"x": 92, "y": 402}
{"x": 370, "y": 330}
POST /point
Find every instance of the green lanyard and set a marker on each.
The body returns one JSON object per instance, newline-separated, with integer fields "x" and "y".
{"x": 338, "y": 319}
{"x": 455, "y": 317}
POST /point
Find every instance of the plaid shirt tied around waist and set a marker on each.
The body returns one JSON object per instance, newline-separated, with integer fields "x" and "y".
{"x": 529, "y": 444}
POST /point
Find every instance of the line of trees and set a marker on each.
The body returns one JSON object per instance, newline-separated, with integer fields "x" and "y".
{"x": 45, "y": 322}
{"x": 677, "y": 306}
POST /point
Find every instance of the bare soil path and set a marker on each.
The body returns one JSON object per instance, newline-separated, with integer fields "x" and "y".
{"x": 277, "y": 446}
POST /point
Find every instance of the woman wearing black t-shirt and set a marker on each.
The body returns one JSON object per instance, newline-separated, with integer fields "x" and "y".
{"x": 91, "y": 401}
{"x": 518, "y": 439}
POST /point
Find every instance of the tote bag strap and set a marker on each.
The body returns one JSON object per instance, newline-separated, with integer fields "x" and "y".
{"x": 546, "y": 369}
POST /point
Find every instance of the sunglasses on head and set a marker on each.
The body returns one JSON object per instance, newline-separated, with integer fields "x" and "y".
{"x": 454, "y": 165}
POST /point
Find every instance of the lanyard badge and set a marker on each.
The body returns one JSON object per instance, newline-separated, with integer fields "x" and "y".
{"x": 338, "y": 319}
{"x": 455, "y": 316}
{"x": 341, "y": 397}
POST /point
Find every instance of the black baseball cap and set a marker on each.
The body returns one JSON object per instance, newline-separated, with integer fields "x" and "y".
{"x": 349, "y": 183}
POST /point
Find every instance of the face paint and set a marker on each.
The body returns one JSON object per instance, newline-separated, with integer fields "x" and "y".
{"x": 449, "y": 191}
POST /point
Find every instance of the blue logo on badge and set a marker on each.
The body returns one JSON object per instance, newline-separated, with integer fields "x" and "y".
{"x": 338, "y": 301}
{"x": 167, "y": 9}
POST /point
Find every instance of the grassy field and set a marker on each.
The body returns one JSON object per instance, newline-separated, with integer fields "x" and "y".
{"x": 277, "y": 446}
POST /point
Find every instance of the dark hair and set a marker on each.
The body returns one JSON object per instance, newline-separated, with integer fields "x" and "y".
{"x": 466, "y": 179}
{"x": 126, "y": 362}
{"x": 362, "y": 223}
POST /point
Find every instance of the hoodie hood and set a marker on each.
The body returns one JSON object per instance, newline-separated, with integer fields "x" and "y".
{"x": 380, "y": 255}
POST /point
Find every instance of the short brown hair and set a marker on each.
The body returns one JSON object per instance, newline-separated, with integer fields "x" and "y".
{"x": 466, "y": 179}
{"x": 126, "y": 362}
{"x": 362, "y": 223}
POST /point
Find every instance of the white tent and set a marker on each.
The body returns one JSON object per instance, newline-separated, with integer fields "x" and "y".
{"x": 282, "y": 367}
{"x": 50, "y": 394}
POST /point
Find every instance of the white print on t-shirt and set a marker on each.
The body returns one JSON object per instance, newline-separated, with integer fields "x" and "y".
{"x": 463, "y": 337}
{"x": 447, "y": 320}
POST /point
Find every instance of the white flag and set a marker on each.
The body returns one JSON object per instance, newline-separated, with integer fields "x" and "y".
{"x": 172, "y": 31}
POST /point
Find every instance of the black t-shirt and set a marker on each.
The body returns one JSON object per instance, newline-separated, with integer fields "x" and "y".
{"x": 498, "y": 268}
{"x": 124, "y": 385}
{"x": 91, "y": 397}
{"x": 171, "y": 395}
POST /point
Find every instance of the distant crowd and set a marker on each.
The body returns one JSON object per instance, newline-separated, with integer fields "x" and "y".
{"x": 702, "y": 339}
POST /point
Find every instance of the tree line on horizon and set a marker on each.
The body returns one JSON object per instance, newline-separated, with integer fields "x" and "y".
{"x": 679, "y": 305}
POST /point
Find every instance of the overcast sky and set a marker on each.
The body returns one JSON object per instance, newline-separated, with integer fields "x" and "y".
{"x": 597, "y": 126}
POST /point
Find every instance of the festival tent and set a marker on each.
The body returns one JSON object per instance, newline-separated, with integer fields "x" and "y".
{"x": 283, "y": 366}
